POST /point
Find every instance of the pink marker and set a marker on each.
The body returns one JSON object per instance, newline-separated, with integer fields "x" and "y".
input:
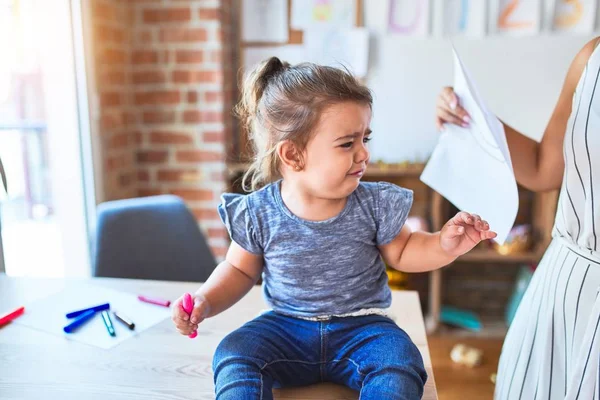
{"x": 188, "y": 307}
{"x": 154, "y": 300}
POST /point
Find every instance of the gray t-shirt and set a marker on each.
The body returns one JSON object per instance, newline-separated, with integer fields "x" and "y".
{"x": 316, "y": 269}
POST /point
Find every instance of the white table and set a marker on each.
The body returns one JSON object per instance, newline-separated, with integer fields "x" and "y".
{"x": 158, "y": 363}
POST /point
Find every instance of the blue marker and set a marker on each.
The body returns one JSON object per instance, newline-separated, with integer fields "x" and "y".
{"x": 108, "y": 323}
{"x": 100, "y": 307}
{"x": 80, "y": 320}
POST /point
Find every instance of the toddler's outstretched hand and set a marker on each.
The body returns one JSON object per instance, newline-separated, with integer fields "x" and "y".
{"x": 463, "y": 232}
{"x": 186, "y": 324}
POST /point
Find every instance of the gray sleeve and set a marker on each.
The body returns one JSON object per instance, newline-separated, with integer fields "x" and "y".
{"x": 393, "y": 206}
{"x": 236, "y": 215}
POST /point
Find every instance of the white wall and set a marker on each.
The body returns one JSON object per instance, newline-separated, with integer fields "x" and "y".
{"x": 519, "y": 78}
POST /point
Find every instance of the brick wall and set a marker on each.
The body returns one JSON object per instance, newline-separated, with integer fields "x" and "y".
{"x": 165, "y": 83}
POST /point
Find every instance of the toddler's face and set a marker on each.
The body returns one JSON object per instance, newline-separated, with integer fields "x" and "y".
{"x": 336, "y": 156}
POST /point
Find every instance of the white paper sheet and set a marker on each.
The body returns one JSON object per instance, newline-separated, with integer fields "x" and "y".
{"x": 339, "y": 48}
{"x": 307, "y": 14}
{"x": 265, "y": 21}
{"x": 471, "y": 166}
{"x": 48, "y": 314}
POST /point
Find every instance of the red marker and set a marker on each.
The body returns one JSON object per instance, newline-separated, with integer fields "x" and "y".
{"x": 4, "y": 319}
{"x": 154, "y": 300}
{"x": 188, "y": 307}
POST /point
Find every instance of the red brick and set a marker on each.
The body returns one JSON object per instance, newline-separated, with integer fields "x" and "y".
{"x": 152, "y": 156}
{"x": 119, "y": 141}
{"x": 145, "y": 37}
{"x": 162, "y": 137}
{"x": 162, "y": 14}
{"x": 128, "y": 118}
{"x": 179, "y": 175}
{"x": 182, "y": 76}
{"x": 110, "y": 121}
{"x": 217, "y": 233}
{"x": 195, "y": 116}
{"x": 126, "y": 179}
{"x": 209, "y": 13}
{"x": 213, "y": 137}
{"x": 144, "y": 57}
{"x": 212, "y": 116}
{"x": 157, "y": 97}
{"x": 116, "y": 162}
{"x": 103, "y": 11}
{"x": 110, "y": 99}
{"x": 193, "y": 194}
{"x": 174, "y": 35}
{"x": 136, "y": 137}
{"x": 199, "y": 156}
{"x": 159, "y": 117}
{"x": 191, "y": 116}
{"x": 111, "y": 78}
{"x": 149, "y": 77}
{"x": 143, "y": 176}
{"x": 188, "y": 56}
{"x": 112, "y": 56}
{"x": 203, "y": 214}
{"x": 192, "y": 97}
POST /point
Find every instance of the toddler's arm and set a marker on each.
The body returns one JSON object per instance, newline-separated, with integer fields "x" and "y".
{"x": 422, "y": 251}
{"x": 228, "y": 283}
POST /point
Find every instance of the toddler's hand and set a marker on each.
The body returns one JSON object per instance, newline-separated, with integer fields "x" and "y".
{"x": 463, "y": 232}
{"x": 186, "y": 324}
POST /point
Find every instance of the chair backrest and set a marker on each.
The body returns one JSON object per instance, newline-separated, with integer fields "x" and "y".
{"x": 154, "y": 237}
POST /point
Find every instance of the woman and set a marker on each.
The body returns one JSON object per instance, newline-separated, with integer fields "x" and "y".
{"x": 552, "y": 349}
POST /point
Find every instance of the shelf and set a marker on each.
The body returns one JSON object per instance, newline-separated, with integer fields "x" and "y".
{"x": 491, "y": 255}
{"x": 379, "y": 170}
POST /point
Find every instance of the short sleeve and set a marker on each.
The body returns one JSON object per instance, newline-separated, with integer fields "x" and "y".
{"x": 393, "y": 206}
{"x": 237, "y": 216}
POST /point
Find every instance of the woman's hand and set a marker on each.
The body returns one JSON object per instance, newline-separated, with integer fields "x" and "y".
{"x": 449, "y": 111}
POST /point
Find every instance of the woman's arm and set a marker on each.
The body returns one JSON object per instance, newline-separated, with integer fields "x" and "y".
{"x": 538, "y": 166}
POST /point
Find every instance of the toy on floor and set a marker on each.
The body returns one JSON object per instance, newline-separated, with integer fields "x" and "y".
{"x": 465, "y": 355}
{"x": 461, "y": 318}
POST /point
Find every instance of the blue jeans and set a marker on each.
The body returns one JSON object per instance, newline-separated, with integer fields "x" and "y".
{"x": 370, "y": 354}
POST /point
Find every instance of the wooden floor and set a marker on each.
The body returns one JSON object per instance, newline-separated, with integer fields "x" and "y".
{"x": 457, "y": 382}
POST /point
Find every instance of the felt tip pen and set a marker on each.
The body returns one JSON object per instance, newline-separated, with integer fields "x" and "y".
{"x": 6, "y": 318}
{"x": 100, "y": 307}
{"x": 124, "y": 319}
{"x": 80, "y": 320}
{"x": 154, "y": 300}
{"x": 188, "y": 306}
{"x": 108, "y": 323}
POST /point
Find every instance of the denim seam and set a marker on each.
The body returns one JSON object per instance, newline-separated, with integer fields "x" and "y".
{"x": 315, "y": 363}
{"x": 322, "y": 350}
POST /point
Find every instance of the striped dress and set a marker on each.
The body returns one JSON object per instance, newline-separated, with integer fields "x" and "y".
{"x": 552, "y": 349}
